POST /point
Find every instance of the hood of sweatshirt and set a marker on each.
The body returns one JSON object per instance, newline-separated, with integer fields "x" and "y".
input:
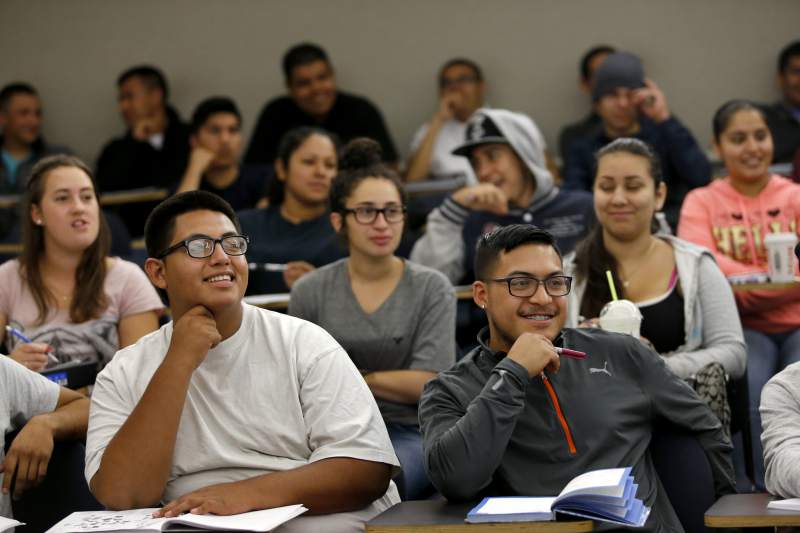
{"x": 518, "y": 131}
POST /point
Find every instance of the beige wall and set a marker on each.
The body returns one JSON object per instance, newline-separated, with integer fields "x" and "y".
{"x": 700, "y": 52}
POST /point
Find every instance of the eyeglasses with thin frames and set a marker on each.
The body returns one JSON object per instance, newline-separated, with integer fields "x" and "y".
{"x": 526, "y": 286}
{"x": 202, "y": 247}
{"x": 367, "y": 214}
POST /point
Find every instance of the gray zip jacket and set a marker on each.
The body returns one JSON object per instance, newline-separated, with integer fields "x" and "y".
{"x": 713, "y": 328}
{"x": 489, "y": 429}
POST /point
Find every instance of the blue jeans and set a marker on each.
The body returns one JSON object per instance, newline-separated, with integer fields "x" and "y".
{"x": 412, "y": 482}
{"x": 767, "y": 354}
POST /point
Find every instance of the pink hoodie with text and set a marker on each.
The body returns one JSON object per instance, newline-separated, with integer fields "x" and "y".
{"x": 733, "y": 227}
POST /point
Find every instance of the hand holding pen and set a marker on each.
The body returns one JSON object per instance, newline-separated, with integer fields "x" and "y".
{"x": 33, "y": 355}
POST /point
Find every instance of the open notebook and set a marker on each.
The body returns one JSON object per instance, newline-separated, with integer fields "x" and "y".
{"x": 607, "y": 495}
{"x": 142, "y": 520}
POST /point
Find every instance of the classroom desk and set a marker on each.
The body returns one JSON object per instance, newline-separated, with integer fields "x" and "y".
{"x": 145, "y": 194}
{"x": 439, "y": 516}
{"x": 277, "y": 301}
{"x": 280, "y": 301}
{"x": 748, "y": 510}
{"x": 765, "y": 286}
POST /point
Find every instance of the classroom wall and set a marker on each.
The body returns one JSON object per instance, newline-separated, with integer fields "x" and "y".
{"x": 700, "y": 52}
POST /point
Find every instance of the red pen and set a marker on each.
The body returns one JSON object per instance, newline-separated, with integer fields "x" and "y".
{"x": 575, "y": 354}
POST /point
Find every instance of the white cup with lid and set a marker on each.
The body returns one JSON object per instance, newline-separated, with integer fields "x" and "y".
{"x": 621, "y": 316}
{"x": 780, "y": 256}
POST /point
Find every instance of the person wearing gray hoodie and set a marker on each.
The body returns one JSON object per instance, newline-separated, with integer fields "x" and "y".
{"x": 506, "y": 151}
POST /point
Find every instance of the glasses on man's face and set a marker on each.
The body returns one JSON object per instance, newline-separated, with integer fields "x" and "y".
{"x": 526, "y": 286}
{"x": 446, "y": 83}
{"x": 365, "y": 214}
{"x": 201, "y": 247}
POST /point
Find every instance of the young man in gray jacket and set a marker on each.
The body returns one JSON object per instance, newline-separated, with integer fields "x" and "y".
{"x": 511, "y": 418}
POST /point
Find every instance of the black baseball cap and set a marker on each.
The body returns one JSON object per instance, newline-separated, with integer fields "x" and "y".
{"x": 480, "y": 130}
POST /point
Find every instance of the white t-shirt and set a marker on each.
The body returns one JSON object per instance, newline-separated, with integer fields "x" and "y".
{"x": 278, "y": 394}
{"x": 23, "y": 395}
{"x": 443, "y": 163}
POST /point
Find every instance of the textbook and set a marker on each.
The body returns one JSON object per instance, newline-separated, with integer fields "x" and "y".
{"x": 142, "y": 520}
{"x": 607, "y": 495}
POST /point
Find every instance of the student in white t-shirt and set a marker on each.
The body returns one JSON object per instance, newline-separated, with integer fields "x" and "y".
{"x": 461, "y": 93}
{"x": 231, "y": 408}
{"x": 64, "y": 292}
{"x": 45, "y": 412}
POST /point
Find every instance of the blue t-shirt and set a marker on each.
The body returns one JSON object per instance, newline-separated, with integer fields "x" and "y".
{"x": 12, "y": 165}
{"x": 273, "y": 239}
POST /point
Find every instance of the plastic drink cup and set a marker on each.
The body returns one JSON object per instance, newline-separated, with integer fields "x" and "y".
{"x": 780, "y": 256}
{"x": 621, "y": 316}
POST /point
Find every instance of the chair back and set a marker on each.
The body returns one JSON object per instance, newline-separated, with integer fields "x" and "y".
{"x": 685, "y": 474}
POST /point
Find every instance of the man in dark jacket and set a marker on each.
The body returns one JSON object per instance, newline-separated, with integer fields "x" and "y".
{"x": 631, "y": 106}
{"x": 155, "y": 149}
{"x": 21, "y": 147}
{"x": 315, "y": 100}
{"x": 513, "y": 418}
{"x": 783, "y": 117}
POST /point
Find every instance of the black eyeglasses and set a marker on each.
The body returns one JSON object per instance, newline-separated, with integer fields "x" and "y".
{"x": 526, "y": 286}
{"x": 365, "y": 214}
{"x": 201, "y": 247}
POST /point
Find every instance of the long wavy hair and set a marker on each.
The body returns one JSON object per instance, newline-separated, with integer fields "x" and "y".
{"x": 592, "y": 259}
{"x": 89, "y": 299}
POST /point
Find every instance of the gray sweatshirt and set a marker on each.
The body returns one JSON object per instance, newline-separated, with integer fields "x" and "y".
{"x": 780, "y": 420}
{"x": 488, "y": 429}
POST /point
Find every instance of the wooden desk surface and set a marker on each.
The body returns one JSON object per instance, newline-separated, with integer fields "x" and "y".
{"x": 748, "y": 510}
{"x": 269, "y": 301}
{"x": 145, "y": 194}
{"x": 770, "y": 286}
{"x": 438, "y": 516}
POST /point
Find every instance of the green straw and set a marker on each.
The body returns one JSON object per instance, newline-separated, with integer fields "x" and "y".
{"x": 611, "y": 285}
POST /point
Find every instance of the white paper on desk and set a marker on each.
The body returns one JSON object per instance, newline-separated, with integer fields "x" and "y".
{"x": 8, "y": 523}
{"x": 517, "y": 505}
{"x": 142, "y": 520}
{"x": 792, "y": 504}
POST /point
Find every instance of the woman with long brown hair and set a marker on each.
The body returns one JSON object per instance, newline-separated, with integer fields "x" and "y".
{"x": 64, "y": 293}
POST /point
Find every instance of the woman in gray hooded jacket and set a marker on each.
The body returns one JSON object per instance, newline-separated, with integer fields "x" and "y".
{"x": 689, "y": 313}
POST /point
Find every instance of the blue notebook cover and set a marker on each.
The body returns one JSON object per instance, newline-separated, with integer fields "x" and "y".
{"x": 607, "y": 495}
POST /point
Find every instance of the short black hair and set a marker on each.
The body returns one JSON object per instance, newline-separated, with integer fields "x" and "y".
{"x": 151, "y": 76}
{"x": 789, "y": 51}
{"x": 590, "y": 54}
{"x": 463, "y": 62}
{"x": 12, "y": 89}
{"x": 505, "y": 239}
{"x": 212, "y": 106}
{"x": 300, "y": 55}
{"x": 160, "y": 226}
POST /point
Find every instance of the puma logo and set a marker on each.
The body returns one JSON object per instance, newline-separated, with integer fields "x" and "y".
{"x": 397, "y": 340}
{"x": 603, "y": 370}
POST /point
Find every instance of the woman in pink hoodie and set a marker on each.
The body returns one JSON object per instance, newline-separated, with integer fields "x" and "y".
{"x": 731, "y": 216}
